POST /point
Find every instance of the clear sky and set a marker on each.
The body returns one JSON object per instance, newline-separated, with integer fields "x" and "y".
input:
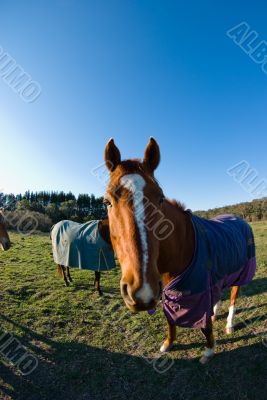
{"x": 131, "y": 69}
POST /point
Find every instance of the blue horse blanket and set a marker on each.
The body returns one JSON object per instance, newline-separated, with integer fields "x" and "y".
{"x": 81, "y": 246}
{"x": 224, "y": 256}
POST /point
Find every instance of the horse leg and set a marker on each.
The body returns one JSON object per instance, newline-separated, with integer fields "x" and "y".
{"x": 97, "y": 282}
{"x": 171, "y": 336}
{"x": 68, "y": 274}
{"x": 61, "y": 272}
{"x": 216, "y": 310}
{"x": 63, "y": 269}
{"x": 230, "y": 319}
{"x": 210, "y": 349}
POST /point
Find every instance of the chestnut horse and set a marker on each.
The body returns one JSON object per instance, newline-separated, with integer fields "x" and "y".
{"x": 4, "y": 238}
{"x": 146, "y": 258}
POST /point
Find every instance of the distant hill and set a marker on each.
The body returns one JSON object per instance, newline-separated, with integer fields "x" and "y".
{"x": 254, "y": 210}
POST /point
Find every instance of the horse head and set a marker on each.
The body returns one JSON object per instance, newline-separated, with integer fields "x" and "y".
{"x": 131, "y": 195}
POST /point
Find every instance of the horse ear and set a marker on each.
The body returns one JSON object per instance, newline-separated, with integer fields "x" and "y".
{"x": 112, "y": 155}
{"x": 152, "y": 155}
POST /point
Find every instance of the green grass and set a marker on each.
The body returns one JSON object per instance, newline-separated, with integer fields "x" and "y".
{"x": 93, "y": 348}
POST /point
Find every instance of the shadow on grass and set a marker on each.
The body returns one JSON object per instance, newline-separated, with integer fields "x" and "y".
{"x": 255, "y": 287}
{"x": 71, "y": 370}
{"x": 241, "y": 322}
{"x": 250, "y": 321}
{"x": 222, "y": 339}
{"x": 78, "y": 284}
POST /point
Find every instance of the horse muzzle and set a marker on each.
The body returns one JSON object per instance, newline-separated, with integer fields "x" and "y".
{"x": 5, "y": 245}
{"x": 142, "y": 299}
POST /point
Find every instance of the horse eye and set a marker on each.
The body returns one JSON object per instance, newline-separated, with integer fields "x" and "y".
{"x": 162, "y": 198}
{"x": 107, "y": 203}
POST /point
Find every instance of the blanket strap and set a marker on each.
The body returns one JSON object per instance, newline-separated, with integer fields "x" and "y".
{"x": 99, "y": 259}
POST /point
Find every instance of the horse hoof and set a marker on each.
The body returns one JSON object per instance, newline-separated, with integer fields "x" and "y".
{"x": 205, "y": 359}
{"x": 213, "y": 318}
{"x": 229, "y": 330}
{"x": 207, "y": 355}
{"x": 100, "y": 293}
{"x": 67, "y": 284}
{"x": 165, "y": 348}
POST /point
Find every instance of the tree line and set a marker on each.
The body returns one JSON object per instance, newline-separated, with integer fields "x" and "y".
{"x": 51, "y": 207}
{"x": 56, "y": 205}
{"x": 255, "y": 210}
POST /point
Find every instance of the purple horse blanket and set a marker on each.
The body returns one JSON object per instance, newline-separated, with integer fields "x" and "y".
{"x": 224, "y": 256}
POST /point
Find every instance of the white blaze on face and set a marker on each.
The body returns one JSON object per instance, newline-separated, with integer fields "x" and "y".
{"x": 135, "y": 183}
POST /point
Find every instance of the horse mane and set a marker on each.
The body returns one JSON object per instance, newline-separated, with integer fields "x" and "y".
{"x": 132, "y": 165}
{"x": 178, "y": 204}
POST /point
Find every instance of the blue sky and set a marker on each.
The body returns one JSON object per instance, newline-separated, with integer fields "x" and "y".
{"x": 130, "y": 70}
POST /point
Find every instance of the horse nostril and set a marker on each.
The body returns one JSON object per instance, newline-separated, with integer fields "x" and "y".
{"x": 124, "y": 289}
{"x": 127, "y": 294}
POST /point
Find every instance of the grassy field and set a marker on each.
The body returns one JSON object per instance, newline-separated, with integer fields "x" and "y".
{"x": 92, "y": 348}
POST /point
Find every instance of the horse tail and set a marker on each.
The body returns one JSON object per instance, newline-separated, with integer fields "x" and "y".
{"x": 59, "y": 271}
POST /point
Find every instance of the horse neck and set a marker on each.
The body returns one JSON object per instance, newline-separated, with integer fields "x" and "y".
{"x": 176, "y": 251}
{"x": 103, "y": 227}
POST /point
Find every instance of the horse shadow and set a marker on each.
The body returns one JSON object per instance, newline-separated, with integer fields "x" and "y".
{"x": 71, "y": 370}
{"x": 107, "y": 291}
{"x": 77, "y": 285}
{"x": 255, "y": 287}
{"x": 240, "y": 310}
